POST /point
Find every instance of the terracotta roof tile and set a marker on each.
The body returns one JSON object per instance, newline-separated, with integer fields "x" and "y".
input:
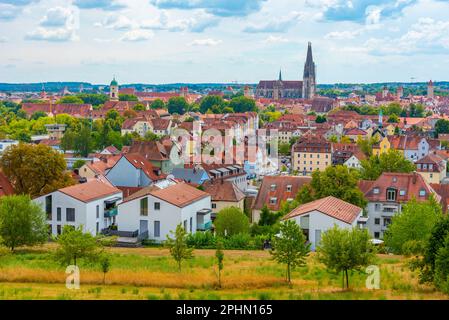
{"x": 331, "y": 206}
{"x": 89, "y": 191}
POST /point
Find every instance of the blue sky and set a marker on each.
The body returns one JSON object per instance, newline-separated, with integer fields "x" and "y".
{"x": 167, "y": 41}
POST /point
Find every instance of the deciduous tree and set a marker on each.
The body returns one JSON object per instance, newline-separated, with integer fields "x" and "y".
{"x": 177, "y": 245}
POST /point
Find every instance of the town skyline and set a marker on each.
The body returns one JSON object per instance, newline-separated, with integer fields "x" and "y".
{"x": 163, "y": 41}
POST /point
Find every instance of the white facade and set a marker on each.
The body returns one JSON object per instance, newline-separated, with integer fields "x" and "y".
{"x": 93, "y": 215}
{"x": 162, "y": 218}
{"x": 316, "y": 223}
{"x": 7, "y": 143}
{"x": 353, "y": 162}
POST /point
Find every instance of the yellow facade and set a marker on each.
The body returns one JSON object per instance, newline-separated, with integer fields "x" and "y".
{"x": 383, "y": 147}
{"x": 433, "y": 177}
{"x": 307, "y": 162}
{"x": 217, "y": 206}
{"x": 390, "y": 129}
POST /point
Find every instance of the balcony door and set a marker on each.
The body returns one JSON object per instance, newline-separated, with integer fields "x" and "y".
{"x": 143, "y": 226}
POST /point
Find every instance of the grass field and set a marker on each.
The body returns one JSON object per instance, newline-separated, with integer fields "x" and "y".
{"x": 150, "y": 273}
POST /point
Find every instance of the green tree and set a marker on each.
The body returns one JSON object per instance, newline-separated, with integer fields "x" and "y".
{"x": 342, "y": 250}
{"x": 209, "y": 102}
{"x": 178, "y": 247}
{"x": 441, "y": 278}
{"x": 320, "y": 119}
{"x": 305, "y": 194}
{"x": 442, "y": 126}
{"x": 436, "y": 241}
{"x": 177, "y": 105}
{"x": 22, "y": 222}
{"x": 268, "y": 218}
{"x": 78, "y": 164}
{"x": 127, "y": 97}
{"x": 337, "y": 181}
{"x": 231, "y": 221}
{"x": 94, "y": 99}
{"x": 284, "y": 148}
{"x": 105, "y": 264}
{"x": 219, "y": 255}
{"x": 243, "y": 104}
{"x": 158, "y": 104}
{"x": 393, "y": 119}
{"x": 391, "y": 161}
{"x": 83, "y": 143}
{"x": 410, "y": 230}
{"x": 71, "y": 100}
{"x": 74, "y": 244}
{"x": 139, "y": 107}
{"x": 35, "y": 169}
{"x": 38, "y": 114}
{"x": 290, "y": 247}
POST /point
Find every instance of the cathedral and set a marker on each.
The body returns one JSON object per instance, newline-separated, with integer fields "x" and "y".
{"x": 281, "y": 89}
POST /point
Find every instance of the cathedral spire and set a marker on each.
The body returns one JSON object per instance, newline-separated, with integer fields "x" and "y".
{"x": 309, "y": 80}
{"x": 280, "y": 75}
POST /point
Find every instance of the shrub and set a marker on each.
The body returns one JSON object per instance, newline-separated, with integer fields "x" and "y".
{"x": 231, "y": 221}
{"x": 201, "y": 240}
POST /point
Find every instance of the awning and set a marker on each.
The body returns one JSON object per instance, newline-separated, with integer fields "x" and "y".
{"x": 112, "y": 200}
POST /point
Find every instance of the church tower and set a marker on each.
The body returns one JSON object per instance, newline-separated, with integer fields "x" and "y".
{"x": 113, "y": 90}
{"x": 430, "y": 91}
{"x": 309, "y": 79}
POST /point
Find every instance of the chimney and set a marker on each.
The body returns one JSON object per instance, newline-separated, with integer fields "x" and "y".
{"x": 414, "y": 177}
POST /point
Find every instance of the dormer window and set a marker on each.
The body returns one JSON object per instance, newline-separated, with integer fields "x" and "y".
{"x": 376, "y": 190}
{"x": 422, "y": 193}
{"x": 273, "y": 187}
{"x": 391, "y": 194}
{"x": 395, "y": 179}
{"x": 402, "y": 193}
{"x": 273, "y": 200}
{"x": 289, "y": 188}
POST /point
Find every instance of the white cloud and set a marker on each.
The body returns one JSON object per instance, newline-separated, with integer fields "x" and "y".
{"x": 137, "y": 35}
{"x": 276, "y": 39}
{"x": 205, "y": 42}
{"x": 8, "y": 11}
{"x": 59, "y": 17}
{"x": 342, "y": 35}
{"x": 196, "y": 23}
{"x": 117, "y": 22}
{"x": 276, "y": 25}
{"x": 54, "y": 35}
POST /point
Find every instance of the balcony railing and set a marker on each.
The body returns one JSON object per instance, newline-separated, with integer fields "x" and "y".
{"x": 204, "y": 226}
{"x": 110, "y": 212}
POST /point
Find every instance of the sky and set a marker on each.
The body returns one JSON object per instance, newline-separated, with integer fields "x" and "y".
{"x": 244, "y": 41}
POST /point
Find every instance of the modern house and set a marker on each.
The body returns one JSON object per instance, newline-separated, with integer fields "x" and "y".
{"x": 388, "y": 194}
{"x": 92, "y": 204}
{"x": 318, "y": 216}
{"x": 224, "y": 194}
{"x": 133, "y": 170}
{"x": 275, "y": 190}
{"x": 153, "y": 212}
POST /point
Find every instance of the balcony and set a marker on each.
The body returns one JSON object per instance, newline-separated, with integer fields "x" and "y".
{"x": 204, "y": 226}
{"x": 109, "y": 213}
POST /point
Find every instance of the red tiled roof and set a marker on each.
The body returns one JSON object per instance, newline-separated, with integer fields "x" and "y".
{"x": 180, "y": 195}
{"x": 411, "y": 183}
{"x": 89, "y": 191}
{"x": 280, "y": 193}
{"x": 6, "y": 188}
{"x": 331, "y": 206}
{"x": 223, "y": 191}
{"x": 141, "y": 163}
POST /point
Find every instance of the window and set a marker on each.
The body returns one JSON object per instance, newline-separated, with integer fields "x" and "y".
{"x": 377, "y": 207}
{"x": 422, "y": 193}
{"x": 58, "y": 214}
{"x": 191, "y": 224}
{"x": 157, "y": 229}
{"x": 273, "y": 200}
{"x": 377, "y": 221}
{"x": 289, "y": 188}
{"x": 431, "y": 175}
{"x": 58, "y": 229}
{"x": 185, "y": 225}
{"x": 70, "y": 214}
{"x": 214, "y": 206}
{"x": 376, "y": 235}
{"x": 391, "y": 194}
{"x": 50, "y": 231}
{"x": 98, "y": 213}
{"x": 157, "y": 206}
{"x": 98, "y": 228}
{"x": 48, "y": 207}
{"x": 273, "y": 187}
{"x": 387, "y": 221}
{"x": 376, "y": 190}
{"x": 402, "y": 193}
{"x": 144, "y": 206}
